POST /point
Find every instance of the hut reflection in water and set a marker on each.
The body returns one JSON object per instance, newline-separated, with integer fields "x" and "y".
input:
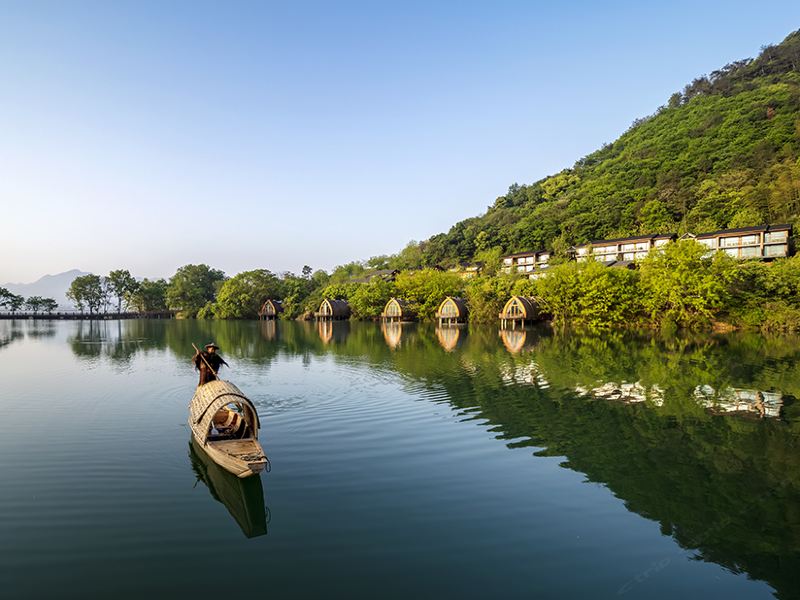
{"x": 244, "y": 498}
{"x": 333, "y": 331}
{"x": 514, "y": 339}
{"x": 449, "y": 336}
{"x": 392, "y": 333}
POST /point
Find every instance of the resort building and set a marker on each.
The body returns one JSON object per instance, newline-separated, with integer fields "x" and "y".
{"x": 763, "y": 242}
{"x": 518, "y": 311}
{"x": 622, "y": 250}
{"x": 333, "y": 310}
{"x": 452, "y": 310}
{"x": 397, "y": 309}
{"x": 382, "y": 274}
{"x": 271, "y": 309}
{"x": 468, "y": 270}
{"x": 531, "y": 264}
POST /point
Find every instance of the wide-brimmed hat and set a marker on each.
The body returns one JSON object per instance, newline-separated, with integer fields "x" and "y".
{"x": 211, "y": 345}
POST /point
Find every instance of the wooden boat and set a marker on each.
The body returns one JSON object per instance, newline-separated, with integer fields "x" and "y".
{"x": 225, "y": 425}
{"x": 244, "y": 498}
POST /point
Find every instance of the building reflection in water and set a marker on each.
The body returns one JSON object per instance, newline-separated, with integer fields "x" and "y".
{"x": 449, "y": 336}
{"x": 730, "y": 401}
{"x": 333, "y": 331}
{"x": 392, "y": 333}
{"x": 514, "y": 339}
{"x": 269, "y": 329}
{"x": 244, "y": 498}
{"x": 325, "y": 329}
{"x": 740, "y": 401}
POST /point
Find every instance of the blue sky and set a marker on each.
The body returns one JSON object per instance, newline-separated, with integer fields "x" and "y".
{"x": 245, "y": 135}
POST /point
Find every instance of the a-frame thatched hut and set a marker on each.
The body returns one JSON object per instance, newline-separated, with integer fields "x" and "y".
{"x": 397, "y": 309}
{"x": 271, "y": 309}
{"x": 518, "y": 311}
{"x": 333, "y": 309}
{"x": 452, "y": 310}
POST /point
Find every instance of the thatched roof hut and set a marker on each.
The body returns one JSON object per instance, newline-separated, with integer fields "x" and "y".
{"x": 270, "y": 309}
{"x": 333, "y": 309}
{"x": 452, "y": 310}
{"x": 397, "y": 309}
{"x": 519, "y": 309}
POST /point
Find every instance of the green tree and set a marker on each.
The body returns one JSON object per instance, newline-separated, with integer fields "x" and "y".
{"x": 192, "y": 287}
{"x": 14, "y": 302}
{"x": 241, "y": 296}
{"x": 368, "y": 299}
{"x": 34, "y": 304}
{"x": 681, "y": 284}
{"x": 149, "y": 296}
{"x": 121, "y": 284}
{"x": 590, "y": 295}
{"x": 48, "y": 305}
{"x": 86, "y": 291}
{"x": 424, "y": 290}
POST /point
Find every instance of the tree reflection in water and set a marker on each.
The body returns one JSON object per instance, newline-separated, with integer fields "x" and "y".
{"x": 672, "y": 425}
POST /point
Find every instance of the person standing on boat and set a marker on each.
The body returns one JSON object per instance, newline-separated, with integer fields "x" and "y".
{"x": 209, "y": 357}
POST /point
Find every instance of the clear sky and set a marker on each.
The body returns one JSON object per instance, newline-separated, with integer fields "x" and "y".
{"x": 147, "y": 135}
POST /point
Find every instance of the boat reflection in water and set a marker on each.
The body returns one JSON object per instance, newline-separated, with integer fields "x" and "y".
{"x": 449, "y": 336}
{"x": 244, "y": 498}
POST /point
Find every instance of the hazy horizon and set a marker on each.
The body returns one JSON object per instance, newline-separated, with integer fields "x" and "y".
{"x": 146, "y": 137}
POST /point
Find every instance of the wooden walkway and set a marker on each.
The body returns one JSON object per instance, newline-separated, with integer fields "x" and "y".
{"x": 76, "y": 316}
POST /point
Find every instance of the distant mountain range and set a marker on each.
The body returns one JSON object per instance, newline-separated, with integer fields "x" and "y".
{"x": 49, "y": 286}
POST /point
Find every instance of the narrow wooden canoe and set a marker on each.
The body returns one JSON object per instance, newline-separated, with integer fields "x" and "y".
{"x": 225, "y": 425}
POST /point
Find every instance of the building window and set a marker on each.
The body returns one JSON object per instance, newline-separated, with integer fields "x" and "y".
{"x": 776, "y": 236}
{"x": 749, "y": 240}
{"x": 659, "y": 243}
{"x": 775, "y": 250}
{"x": 709, "y": 242}
{"x": 729, "y": 242}
{"x": 750, "y": 252}
{"x": 734, "y": 252}
{"x": 628, "y": 256}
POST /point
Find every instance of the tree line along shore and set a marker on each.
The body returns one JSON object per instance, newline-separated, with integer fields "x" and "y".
{"x": 677, "y": 286}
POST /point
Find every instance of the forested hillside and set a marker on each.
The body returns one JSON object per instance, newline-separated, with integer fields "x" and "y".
{"x": 724, "y": 152}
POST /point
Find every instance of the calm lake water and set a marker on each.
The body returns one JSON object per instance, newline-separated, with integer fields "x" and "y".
{"x": 406, "y": 461}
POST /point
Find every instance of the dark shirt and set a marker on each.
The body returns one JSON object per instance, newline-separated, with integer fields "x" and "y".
{"x": 215, "y": 360}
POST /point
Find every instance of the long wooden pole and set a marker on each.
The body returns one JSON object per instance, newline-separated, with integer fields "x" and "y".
{"x": 196, "y": 349}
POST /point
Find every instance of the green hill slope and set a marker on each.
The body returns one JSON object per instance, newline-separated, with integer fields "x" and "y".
{"x": 725, "y": 152}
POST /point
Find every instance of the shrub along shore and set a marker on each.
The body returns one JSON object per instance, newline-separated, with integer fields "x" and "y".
{"x": 677, "y": 287}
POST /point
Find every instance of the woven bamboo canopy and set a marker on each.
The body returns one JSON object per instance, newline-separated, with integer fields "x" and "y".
{"x": 214, "y": 395}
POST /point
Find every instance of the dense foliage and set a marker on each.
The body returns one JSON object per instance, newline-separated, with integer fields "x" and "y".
{"x": 725, "y": 152}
